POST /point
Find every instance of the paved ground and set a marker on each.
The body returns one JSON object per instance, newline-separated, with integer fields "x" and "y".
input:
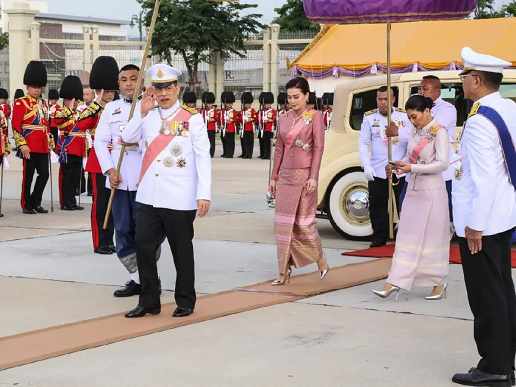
{"x": 50, "y": 276}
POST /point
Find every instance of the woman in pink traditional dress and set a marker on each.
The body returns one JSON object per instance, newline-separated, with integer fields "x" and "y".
{"x": 422, "y": 253}
{"x": 297, "y": 160}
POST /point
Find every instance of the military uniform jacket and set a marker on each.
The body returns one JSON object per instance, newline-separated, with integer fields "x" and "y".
{"x": 248, "y": 118}
{"x": 30, "y": 124}
{"x": 5, "y": 146}
{"x": 211, "y": 118}
{"x": 52, "y": 111}
{"x": 373, "y": 133}
{"x": 108, "y": 144}
{"x": 88, "y": 121}
{"x": 483, "y": 196}
{"x": 267, "y": 119}
{"x": 181, "y": 174}
{"x": 6, "y": 109}
{"x": 228, "y": 120}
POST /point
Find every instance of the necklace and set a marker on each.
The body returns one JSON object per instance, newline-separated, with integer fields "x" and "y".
{"x": 295, "y": 119}
{"x": 163, "y": 120}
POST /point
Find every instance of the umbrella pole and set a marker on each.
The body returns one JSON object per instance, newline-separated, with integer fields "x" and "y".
{"x": 389, "y": 102}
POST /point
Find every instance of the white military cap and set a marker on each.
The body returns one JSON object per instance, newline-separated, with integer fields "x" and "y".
{"x": 481, "y": 62}
{"x": 163, "y": 75}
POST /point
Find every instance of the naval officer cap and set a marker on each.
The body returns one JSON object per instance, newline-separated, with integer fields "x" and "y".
{"x": 163, "y": 75}
{"x": 481, "y": 62}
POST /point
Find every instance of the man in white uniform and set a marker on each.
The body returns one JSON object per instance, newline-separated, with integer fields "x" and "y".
{"x": 445, "y": 114}
{"x": 484, "y": 207}
{"x": 174, "y": 185}
{"x": 373, "y": 132}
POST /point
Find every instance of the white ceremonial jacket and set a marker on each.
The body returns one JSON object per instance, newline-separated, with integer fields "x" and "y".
{"x": 181, "y": 174}
{"x": 373, "y": 133}
{"x": 112, "y": 122}
{"x": 446, "y": 115}
{"x": 483, "y": 197}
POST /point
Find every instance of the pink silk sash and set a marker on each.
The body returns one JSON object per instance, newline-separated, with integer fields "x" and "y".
{"x": 160, "y": 143}
{"x": 291, "y": 136}
{"x": 421, "y": 145}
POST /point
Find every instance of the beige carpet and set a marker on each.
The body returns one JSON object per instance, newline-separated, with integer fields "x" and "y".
{"x": 60, "y": 340}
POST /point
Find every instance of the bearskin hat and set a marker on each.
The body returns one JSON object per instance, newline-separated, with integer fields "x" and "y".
{"x": 18, "y": 93}
{"x": 4, "y": 94}
{"x": 104, "y": 74}
{"x": 53, "y": 94}
{"x": 327, "y": 98}
{"x": 268, "y": 98}
{"x": 247, "y": 97}
{"x": 35, "y": 74}
{"x": 203, "y": 97}
{"x": 71, "y": 88}
{"x": 228, "y": 97}
{"x": 189, "y": 97}
{"x": 312, "y": 99}
{"x": 261, "y": 97}
{"x": 209, "y": 97}
{"x": 282, "y": 98}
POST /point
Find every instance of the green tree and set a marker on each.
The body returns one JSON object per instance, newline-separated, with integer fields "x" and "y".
{"x": 485, "y": 10}
{"x": 4, "y": 40}
{"x": 292, "y": 17}
{"x": 508, "y": 10}
{"x": 191, "y": 28}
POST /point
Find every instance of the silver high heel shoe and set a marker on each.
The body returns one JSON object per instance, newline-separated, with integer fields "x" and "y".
{"x": 387, "y": 293}
{"x": 322, "y": 273}
{"x": 438, "y": 296}
{"x": 286, "y": 279}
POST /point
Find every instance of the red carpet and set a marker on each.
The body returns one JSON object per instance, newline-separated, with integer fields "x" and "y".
{"x": 387, "y": 251}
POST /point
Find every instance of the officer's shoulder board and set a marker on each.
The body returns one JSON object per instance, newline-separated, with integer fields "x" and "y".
{"x": 400, "y": 110}
{"x": 371, "y": 112}
{"x": 190, "y": 110}
{"x": 474, "y": 109}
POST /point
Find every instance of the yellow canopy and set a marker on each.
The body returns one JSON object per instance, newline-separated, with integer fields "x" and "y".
{"x": 432, "y": 45}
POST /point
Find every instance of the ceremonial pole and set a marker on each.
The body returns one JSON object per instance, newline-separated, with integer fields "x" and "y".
{"x": 135, "y": 100}
{"x": 389, "y": 144}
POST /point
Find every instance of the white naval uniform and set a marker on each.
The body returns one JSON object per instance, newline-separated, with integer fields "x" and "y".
{"x": 173, "y": 187}
{"x": 446, "y": 115}
{"x": 483, "y": 198}
{"x": 112, "y": 122}
{"x": 372, "y": 133}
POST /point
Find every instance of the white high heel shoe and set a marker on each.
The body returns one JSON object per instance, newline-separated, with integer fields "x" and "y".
{"x": 438, "y": 296}
{"x": 387, "y": 293}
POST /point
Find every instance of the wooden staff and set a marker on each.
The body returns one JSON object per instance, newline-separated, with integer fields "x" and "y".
{"x": 389, "y": 104}
{"x": 135, "y": 100}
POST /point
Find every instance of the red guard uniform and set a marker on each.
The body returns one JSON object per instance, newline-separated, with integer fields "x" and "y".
{"x": 31, "y": 128}
{"x": 212, "y": 120}
{"x": 229, "y": 118}
{"x": 248, "y": 118}
{"x": 267, "y": 119}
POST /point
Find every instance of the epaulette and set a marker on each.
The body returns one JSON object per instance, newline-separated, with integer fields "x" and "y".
{"x": 190, "y": 110}
{"x": 371, "y": 112}
{"x": 474, "y": 109}
{"x": 400, "y": 110}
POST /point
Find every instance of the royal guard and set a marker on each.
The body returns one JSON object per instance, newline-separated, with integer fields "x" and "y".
{"x": 104, "y": 81}
{"x": 71, "y": 145}
{"x": 4, "y": 105}
{"x": 282, "y": 104}
{"x": 267, "y": 118}
{"x": 53, "y": 108}
{"x": 5, "y": 149}
{"x": 228, "y": 122}
{"x": 190, "y": 99}
{"x": 211, "y": 117}
{"x": 248, "y": 118}
{"x": 327, "y": 101}
{"x": 33, "y": 138}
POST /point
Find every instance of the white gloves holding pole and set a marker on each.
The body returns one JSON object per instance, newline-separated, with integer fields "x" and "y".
{"x": 369, "y": 173}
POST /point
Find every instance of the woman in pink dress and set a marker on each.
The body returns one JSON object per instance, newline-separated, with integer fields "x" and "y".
{"x": 422, "y": 253}
{"x": 297, "y": 160}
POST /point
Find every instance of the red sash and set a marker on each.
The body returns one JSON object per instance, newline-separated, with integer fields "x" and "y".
{"x": 160, "y": 143}
{"x": 422, "y": 144}
{"x": 291, "y": 136}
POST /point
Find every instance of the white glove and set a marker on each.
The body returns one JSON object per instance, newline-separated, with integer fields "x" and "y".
{"x": 369, "y": 173}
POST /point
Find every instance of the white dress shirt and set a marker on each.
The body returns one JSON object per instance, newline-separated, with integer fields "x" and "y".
{"x": 372, "y": 133}
{"x": 170, "y": 186}
{"x": 112, "y": 122}
{"x": 446, "y": 115}
{"x": 483, "y": 198}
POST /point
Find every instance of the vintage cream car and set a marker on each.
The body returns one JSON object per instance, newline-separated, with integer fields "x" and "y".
{"x": 343, "y": 193}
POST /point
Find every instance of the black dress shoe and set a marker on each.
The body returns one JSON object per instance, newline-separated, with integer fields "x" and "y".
{"x": 377, "y": 243}
{"x": 1, "y": 215}
{"x": 513, "y": 380}
{"x": 68, "y": 207}
{"x": 112, "y": 248}
{"x": 181, "y": 311}
{"x": 130, "y": 289}
{"x": 78, "y": 208}
{"x": 103, "y": 250}
{"x": 141, "y": 312}
{"x": 479, "y": 378}
{"x": 41, "y": 210}
{"x": 30, "y": 212}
